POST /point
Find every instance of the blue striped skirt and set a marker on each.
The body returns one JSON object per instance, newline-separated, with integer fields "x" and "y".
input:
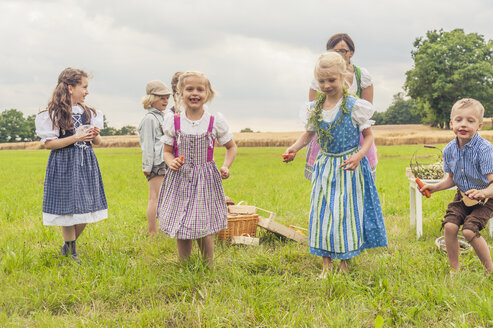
{"x": 345, "y": 212}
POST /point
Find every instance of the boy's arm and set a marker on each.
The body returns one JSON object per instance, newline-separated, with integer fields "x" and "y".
{"x": 443, "y": 185}
{"x": 482, "y": 193}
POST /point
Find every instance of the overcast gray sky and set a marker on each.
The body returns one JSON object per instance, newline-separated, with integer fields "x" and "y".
{"x": 259, "y": 55}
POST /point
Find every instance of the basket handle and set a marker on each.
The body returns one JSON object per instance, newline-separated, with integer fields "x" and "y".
{"x": 272, "y": 215}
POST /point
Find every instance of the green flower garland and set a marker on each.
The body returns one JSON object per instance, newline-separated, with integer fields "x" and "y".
{"x": 316, "y": 117}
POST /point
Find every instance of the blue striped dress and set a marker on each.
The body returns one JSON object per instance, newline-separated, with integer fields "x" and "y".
{"x": 345, "y": 212}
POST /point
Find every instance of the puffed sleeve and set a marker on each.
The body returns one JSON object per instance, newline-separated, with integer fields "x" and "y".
{"x": 221, "y": 127}
{"x": 366, "y": 79}
{"x": 314, "y": 85}
{"x": 168, "y": 137}
{"x": 362, "y": 113}
{"x": 304, "y": 114}
{"x": 98, "y": 119}
{"x": 44, "y": 127}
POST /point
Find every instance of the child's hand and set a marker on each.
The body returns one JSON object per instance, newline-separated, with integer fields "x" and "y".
{"x": 426, "y": 187}
{"x": 351, "y": 163}
{"x": 224, "y": 172}
{"x": 176, "y": 163}
{"x": 476, "y": 194}
{"x": 95, "y": 131}
{"x": 288, "y": 155}
{"x": 147, "y": 173}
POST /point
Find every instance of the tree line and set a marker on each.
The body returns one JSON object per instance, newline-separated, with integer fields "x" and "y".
{"x": 14, "y": 127}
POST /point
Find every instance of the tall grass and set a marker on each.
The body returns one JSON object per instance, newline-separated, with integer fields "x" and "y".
{"x": 129, "y": 279}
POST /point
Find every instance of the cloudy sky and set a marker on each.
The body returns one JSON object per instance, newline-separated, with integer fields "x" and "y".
{"x": 259, "y": 55}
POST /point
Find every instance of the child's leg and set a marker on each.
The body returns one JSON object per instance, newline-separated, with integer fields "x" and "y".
{"x": 480, "y": 247}
{"x": 78, "y": 229}
{"x": 344, "y": 266}
{"x": 450, "y": 231}
{"x": 206, "y": 245}
{"x": 326, "y": 267}
{"x": 154, "y": 187}
{"x": 184, "y": 249}
{"x": 69, "y": 236}
{"x": 68, "y": 233}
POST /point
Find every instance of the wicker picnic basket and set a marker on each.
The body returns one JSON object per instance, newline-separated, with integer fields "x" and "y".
{"x": 241, "y": 220}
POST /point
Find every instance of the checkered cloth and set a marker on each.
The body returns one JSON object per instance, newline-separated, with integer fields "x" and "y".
{"x": 73, "y": 183}
{"x": 191, "y": 202}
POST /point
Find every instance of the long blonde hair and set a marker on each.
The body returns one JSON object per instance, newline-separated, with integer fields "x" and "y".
{"x": 331, "y": 60}
{"x": 60, "y": 106}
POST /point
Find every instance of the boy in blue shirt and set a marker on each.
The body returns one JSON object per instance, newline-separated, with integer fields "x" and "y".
{"x": 468, "y": 160}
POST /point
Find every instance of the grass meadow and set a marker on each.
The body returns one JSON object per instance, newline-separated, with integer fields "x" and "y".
{"x": 128, "y": 279}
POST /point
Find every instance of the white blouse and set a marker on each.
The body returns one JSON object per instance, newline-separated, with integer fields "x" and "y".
{"x": 220, "y": 128}
{"x": 361, "y": 115}
{"x": 366, "y": 81}
{"x": 46, "y": 131}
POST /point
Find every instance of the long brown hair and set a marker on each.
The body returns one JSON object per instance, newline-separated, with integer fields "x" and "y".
{"x": 60, "y": 106}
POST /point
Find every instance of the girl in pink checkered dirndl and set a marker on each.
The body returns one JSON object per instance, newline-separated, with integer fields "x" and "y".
{"x": 191, "y": 202}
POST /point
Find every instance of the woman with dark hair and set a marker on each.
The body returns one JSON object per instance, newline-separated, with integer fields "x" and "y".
{"x": 360, "y": 84}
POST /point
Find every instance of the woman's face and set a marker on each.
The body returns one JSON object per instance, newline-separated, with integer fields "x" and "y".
{"x": 343, "y": 49}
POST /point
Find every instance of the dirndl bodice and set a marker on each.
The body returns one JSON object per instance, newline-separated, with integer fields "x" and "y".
{"x": 191, "y": 202}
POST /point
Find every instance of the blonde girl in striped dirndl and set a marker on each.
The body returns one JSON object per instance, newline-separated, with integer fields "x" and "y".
{"x": 191, "y": 204}
{"x": 345, "y": 212}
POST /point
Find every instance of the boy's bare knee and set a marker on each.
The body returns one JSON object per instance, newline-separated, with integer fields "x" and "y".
{"x": 450, "y": 228}
{"x": 469, "y": 234}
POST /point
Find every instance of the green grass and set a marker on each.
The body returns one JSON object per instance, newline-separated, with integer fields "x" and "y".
{"x": 129, "y": 279}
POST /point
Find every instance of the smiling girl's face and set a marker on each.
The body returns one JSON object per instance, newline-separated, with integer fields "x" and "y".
{"x": 194, "y": 94}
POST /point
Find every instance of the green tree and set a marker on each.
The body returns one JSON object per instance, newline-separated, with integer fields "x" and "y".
{"x": 127, "y": 130}
{"x": 14, "y": 127}
{"x": 107, "y": 130}
{"x": 449, "y": 66}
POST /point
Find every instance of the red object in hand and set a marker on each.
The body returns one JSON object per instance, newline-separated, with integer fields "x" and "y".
{"x": 420, "y": 185}
{"x": 182, "y": 158}
{"x": 289, "y": 156}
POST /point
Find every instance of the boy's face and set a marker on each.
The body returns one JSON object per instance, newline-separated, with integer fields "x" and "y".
{"x": 465, "y": 122}
{"x": 161, "y": 103}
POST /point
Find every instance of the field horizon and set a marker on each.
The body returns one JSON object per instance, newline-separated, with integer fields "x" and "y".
{"x": 404, "y": 134}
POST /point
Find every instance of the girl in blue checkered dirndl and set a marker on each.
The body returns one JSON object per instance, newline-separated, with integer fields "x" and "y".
{"x": 73, "y": 188}
{"x": 191, "y": 204}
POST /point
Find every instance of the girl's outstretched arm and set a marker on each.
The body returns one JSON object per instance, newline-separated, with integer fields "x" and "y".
{"x": 352, "y": 162}
{"x": 229, "y": 158}
{"x": 302, "y": 141}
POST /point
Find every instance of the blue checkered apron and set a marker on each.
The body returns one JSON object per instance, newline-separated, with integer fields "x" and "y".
{"x": 73, "y": 183}
{"x": 191, "y": 202}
